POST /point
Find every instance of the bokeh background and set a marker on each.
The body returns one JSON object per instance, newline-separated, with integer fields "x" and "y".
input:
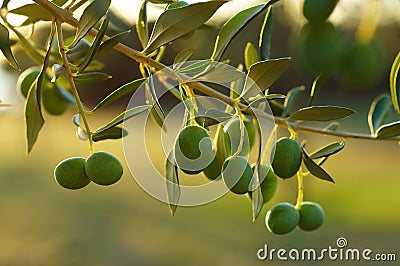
{"x": 43, "y": 224}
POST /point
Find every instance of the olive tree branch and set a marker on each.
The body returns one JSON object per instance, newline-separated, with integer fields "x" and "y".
{"x": 66, "y": 16}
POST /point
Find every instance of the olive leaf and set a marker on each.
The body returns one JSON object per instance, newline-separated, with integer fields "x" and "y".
{"x": 332, "y": 127}
{"x": 197, "y": 67}
{"x": 60, "y": 2}
{"x": 236, "y": 86}
{"x": 34, "y": 13}
{"x": 91, "y": 15}
{"x": 388, "y": 131}
{"x": 314, "y": 168}
{"x": 161, "y": 1}
{"x": 250, "y": 55}
{"x": 291, "y": 100}
{"x": 124, "y": 116}
{"x": 321, "y": 113}
{"x": 125, "y": 89}
{"x": 34, "y": 52}
{"x": 327, "y": 150}
{"x": 317, "y": 83}
{"x": 156, "y": 113}
{"x": 111, "y": 133}
{"x": 94, "y": 47}
{"x": 257, "y": 199}
{"x": 174, "y": 23}
{"x": 172, "y": 182}
{"x": 141, "y": 25}
{"x": 394, "y": 87}
{"x": 378, "y": 111}
{"x": 6, "y": 48}
{"x": 220, "y": 75}
{"x": 213, "y": 117}
{"x": 110, "y": 43}
{"x": 91, "y": 76}
{"x": 5, "y": 4}
{"x": 263, "y": 74}
{"x": 264, "y": 43}
{"x": 34, "y": 120}
{"x": 182, "y": 57}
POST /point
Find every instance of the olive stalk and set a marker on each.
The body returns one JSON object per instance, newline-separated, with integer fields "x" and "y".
{"x": 300, "y": 189}
{"x": 68, "y": 72}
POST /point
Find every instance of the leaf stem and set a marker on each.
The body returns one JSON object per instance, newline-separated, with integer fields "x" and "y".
{"x": 67, "y": 68}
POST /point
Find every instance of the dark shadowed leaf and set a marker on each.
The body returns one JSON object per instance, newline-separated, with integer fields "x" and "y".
{"x": 91, "y": 77}
{"x": 124, "y": 116}
{"x": 250, "y": 55}
{"x": 266, "y": 35}
{"x": 172, "y": 182}
{"x": 321, "y": 113}
{"x": 328, "y": 150}
{"x": 161, "y": 1}
{"x": 5, "y": 3}
{"x": 110, "y": 43}
{"x": 141, "y": 25}
{"x": 315, "y": 169}
{"x": 291, "y": 100}
{"x": 263, "y": 74}
{"x": 388, "y": 131}
{"x": 111, "y": 133}
{"x": 120, "y": 92}
{"x": 34, "y": 52}
{"x": 317, "y": 83}
{"x": 174, "y": 23}
{"x": 5, "y": 47}
{"x": 378, "y": 111}
{"x": 91, "y": 15}
{"x": 394, "y": 87}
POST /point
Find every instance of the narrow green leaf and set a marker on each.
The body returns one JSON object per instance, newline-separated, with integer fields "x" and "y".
{"x": 35, "y": 53}
{"x": 264, "y": 43}
{"x": 394, "y": 87}
{"x": 321, "y": 113}
{"x": 388, "y": 131}
{"x": 172, "y": 182}
{"x": 91, "y": 15}
{"x": 317, "y": 83}
{"x": 110, "y": 43}
{"x": 141, "y": 25}
{"x": 275, "y": 96}
{"x": 5, "y": 3}
{"x": 315, "y": 169}
{"x": 213, "y": 117}
{"x": 378, "y": 111}
{"x": 270, "y": 97}
{"x": 174, "y": 23}
{"x": 250, "y": 55}
{"x": 34, "y": 120}
{"x": 220, "y": 75}
{"x": 257, "y": 199}
{"x": 161, "y": 1}
{"x": 292, "y": 98}
{"x": 124, "y": 116}
{"x": 232, "y": 27}
{"x": 111, "y": 133}
{"x": 125, "y": 89}
{"x": 156, "y": 112}
{"x": 182, "y": 57}
{"x": 34, "y": 13}
{"x": 263, "y": 74}
{"x": 95, "y": 46}
{"x": 236, "y": 86}
{"x": 5, "y": 46}
{"x": 328, "y": 150}
{"x": 91, "y": 76}
{"x": 332, "y": 127}
{"x": 197, "y": 67}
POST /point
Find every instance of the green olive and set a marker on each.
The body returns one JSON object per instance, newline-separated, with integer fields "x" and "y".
{"x": 213, "y": 171}
{"x": 71, "y": 174}
{"x": 193, "y": 149}
{"x": 311, "y": 216}
{"x": 52, "y": 100}
{"x": 282, "y": 218}
{"x": 103, "y": 168}
{"x": 269, "y": 182}
{"x": 26, "y": 79}
{"x": 287, "y": 158}
{"x": 237, "y": 174}
{"x": 232, "y": 136}
{"x": 317, "y": 11}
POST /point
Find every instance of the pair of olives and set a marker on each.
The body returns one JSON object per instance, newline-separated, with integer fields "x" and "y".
{"x": 102, "y": 168}
{"x": 284, "y": 217}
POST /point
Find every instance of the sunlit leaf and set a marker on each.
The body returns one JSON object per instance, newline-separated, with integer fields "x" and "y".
{"x": 91, "y": 15}
{"x": 291, "y": 100}
{"x": 182, "y": 57}
{"x": 35, "y": 53}
{"x": 5, "y": 47}
{"x": 236, "y": 86}
{"x": 91, "y": 77}
{"x": 315, "y": 169}
{"x": 172, "y": 182}
{"x": 327, "y": 150}
{"x": 111, "y": 133}
{"x": 321, "y": 113}
{"x": 388, "y": 131}
{"x": 174, "y": 23}
{"x": 394, "y": 87}
{"x": 196, "y": 68}
{"x": 125, "y": 89}
{"x": 378, "y": 111}
{"x": 141, "y": 25}
{"x": 34, "y": 13}
{"x": 250, "y": 55}
{"x": 317, "y": 83}
{"x": 264, "y": 43}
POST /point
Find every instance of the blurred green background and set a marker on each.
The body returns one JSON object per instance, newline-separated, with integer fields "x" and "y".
{"x": 43, "y": 224}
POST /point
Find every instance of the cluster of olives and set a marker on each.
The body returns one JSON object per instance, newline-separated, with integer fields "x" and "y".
{"x": 100, "y": 167}
{"x": 284, "y": 217}
{"x": 322, "y": 50}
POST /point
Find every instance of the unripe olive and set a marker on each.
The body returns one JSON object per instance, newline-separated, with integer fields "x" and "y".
{"x": 53, "y": 102}
{"x": 193, "y": 149}
{"x": 318, "y": 11}
{"x": 77, "y": 53}
{"x": 26, "y": 79}
{"x": 232, "y": 136}
{"x": 179, "y": 4}
{"x": 237, "y": 174}
{"x": 311, "y": 216}
{"x": 269, "y": 182}
{"x": 287, "y": 158}
{"x": 213, "y": 171}
{"x": 282, "y": 218}
{"x": 103, "y": 168}
{"x": 71, "y": 174}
